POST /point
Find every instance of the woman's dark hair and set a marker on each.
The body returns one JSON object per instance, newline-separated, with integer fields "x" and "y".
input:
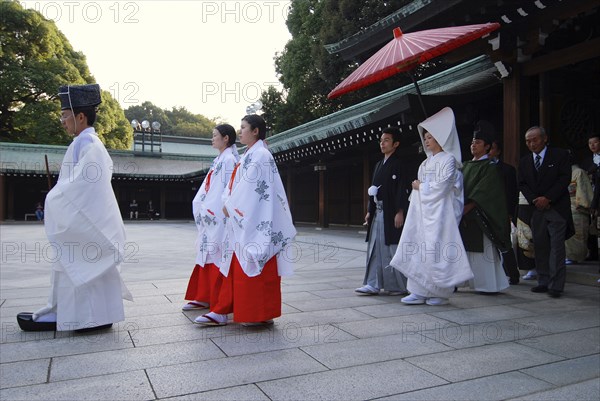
{"x": 257, "y": 121}
{"x": 89, "y": 112}
{"x": 227, "y": 130}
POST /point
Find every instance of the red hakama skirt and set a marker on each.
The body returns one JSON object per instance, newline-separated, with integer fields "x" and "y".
{"x": 205, "y": 284}
{"x": 250, "y": 299}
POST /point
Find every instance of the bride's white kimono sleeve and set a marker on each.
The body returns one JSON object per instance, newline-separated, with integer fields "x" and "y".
{"x": 260, "y": 223}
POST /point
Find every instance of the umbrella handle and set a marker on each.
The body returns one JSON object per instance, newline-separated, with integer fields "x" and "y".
{"x": 412, "y": 77}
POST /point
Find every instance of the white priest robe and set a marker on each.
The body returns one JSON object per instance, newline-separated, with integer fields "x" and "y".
{"x": 260, "y": 223}
{"x": 84, "y": 225}
{"x": 430, "y": 252}
{"x": 207, "y": 207}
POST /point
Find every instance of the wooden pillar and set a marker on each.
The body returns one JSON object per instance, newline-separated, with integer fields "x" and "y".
{"x": 10, "y": 201}
{"x": 2, "y": 197}
{"x": 289, "y": 188}
{"x": 516, "y": 108}
{"x": 163, "y": 201}
{"x": 366, "y": 180}
{"x": 323, "y": 210}
{"x": 544, "y": 101}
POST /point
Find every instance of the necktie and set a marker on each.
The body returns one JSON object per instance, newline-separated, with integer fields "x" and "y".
{"x": 538, "y": 162}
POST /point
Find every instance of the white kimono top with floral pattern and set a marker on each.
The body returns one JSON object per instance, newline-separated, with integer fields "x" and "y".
{"x": 208, "y": 208}
{"x": 260, "y": 223}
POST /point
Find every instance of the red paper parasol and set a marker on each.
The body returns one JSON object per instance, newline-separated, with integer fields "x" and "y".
{"x": 406, "y": 51}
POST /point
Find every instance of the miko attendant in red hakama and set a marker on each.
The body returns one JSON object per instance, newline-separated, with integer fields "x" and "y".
{"x": 259, "y": 229}
{"x": 205, "y": 282}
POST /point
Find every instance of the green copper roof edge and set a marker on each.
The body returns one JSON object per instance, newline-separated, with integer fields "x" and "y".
{"x": 277, "y": 142}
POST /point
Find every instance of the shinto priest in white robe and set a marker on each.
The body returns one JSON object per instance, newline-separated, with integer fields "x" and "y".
{"x": 84, "y": 225}
{"x": 208, "y": 208}
{"x": 260, "y": 225}
{"x": 430, "y": 252}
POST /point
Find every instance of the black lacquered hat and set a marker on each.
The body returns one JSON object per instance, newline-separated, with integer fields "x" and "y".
{"x": 79, "y": 96}
{"x": 485, "y": 131}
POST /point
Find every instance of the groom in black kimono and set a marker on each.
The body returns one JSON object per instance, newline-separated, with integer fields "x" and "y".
{"x": 388, "y": 204}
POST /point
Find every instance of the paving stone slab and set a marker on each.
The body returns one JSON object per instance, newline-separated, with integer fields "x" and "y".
{"x": 401, "y": 325}
{"x": 281, "y": 336}
{"x": 319, "y": 279}
{"x": 234, "y": 371}
{"x": 285, "y": 288}
{"x": 175, "y": 283}
{"x": 176, "y": 334}
{"x": 472, "y": 299}
{"x": 70, "y": 344}
{"x": 158, "y": 299}
{"x": 569, "y": 371}
{"x": 129, "y": 386}
{"x": 475, "y": 335}
{"x": 16, "y": 374}
{"x": 29, "y": 303}
{"x": 587, "y": 390}
{"x": 394, "y": 309}
{"x": 556, "y": 305}
{"x": 146, "y": 292}
{"x": 470, "y": 363}
{"x": 334, "y": 303}
{"x": 483, "y": 314}
{"x": 107, "y": 362}
{"x": 322, "y": 317}
{"x": 135, "y": 323}
{"x": 564, "y": 321}
{"x": 298, "y": 296}
{"x": 341, "y": 293}
{"x": 10, "y": 332}
{"x": 371, "y": 350}
{"x": 490, "y": 388}
{"x": 140, "y": 309}
{"x": 350, "y": 283}
{"x": 248, "y": 392}
{"x": 27, "y": 292}
{"x": 354, "y": 383}
{"x": 571, "y": 344}
{"x": 286, "y": 309}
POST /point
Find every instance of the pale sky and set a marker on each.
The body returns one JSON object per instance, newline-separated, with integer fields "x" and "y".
{"x": 213, "y": 57}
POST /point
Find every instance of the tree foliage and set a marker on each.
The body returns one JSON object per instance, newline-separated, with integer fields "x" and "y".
{"x": 177, "y": 121}
{"x": 35, "y": 59}
{"x": 307, "y": 71}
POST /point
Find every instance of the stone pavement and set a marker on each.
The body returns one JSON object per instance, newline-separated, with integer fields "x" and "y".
{"x": 330, "y": 344}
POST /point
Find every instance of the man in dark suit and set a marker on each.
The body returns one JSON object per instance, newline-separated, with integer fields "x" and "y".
{"x": 544, "y": 177}
{"x": 388, "y": 204}
{"x": 509, "y": 175}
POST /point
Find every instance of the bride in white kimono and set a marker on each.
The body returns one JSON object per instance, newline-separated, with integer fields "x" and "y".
{"x": 259, "y": 229}
{"x": 430, "y": 252}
